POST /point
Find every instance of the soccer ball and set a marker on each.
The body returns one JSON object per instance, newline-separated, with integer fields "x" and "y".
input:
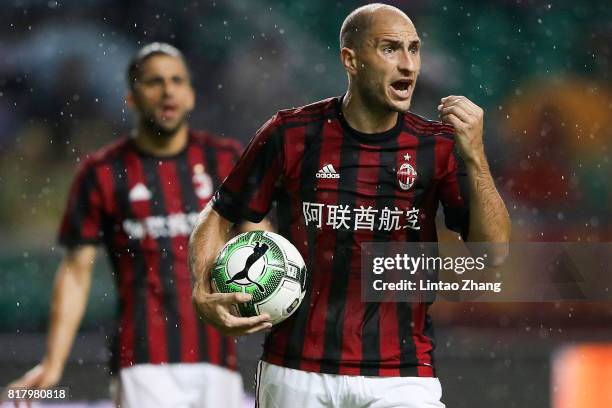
{"x": 267, "y": 266}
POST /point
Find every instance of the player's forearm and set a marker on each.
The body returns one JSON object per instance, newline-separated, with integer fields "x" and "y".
{"x": 264, "y": 225}
{"x": 208, "y": 237}
{"x": 489, "y": 219}
{"x": 69, "y": 300}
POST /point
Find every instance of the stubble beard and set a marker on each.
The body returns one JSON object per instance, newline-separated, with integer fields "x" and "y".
{"x": 374, "y": 96}
{"x": 159, "y": 130}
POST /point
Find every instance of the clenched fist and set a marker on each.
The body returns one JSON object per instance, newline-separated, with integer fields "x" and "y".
{"x": 467, "y": 119}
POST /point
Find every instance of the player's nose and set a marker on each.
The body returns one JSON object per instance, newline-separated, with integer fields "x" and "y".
{"x": 169, "y": 88}
{"x": 407, "y": 62}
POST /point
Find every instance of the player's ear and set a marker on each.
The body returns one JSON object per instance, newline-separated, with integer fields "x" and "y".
{"x": 192, "y": 99}
{"x": 129, "y": 99}
{"x": 349, "y": 60}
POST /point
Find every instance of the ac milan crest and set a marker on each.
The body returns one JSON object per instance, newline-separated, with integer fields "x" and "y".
{"x": 202, "y": 182}
{"x": 406, "y": 175}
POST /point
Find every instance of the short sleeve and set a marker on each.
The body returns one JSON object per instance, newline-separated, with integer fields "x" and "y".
{"x": 81, "y": 222}
{"x": 247, "y": 193}
{"x": 453, "y": 193}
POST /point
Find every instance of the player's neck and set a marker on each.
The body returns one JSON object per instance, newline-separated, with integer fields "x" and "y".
{"x": 161, "y": 145}
{"x": 364, "y": 118}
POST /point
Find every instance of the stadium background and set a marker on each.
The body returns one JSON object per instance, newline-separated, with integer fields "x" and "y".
{"x": 540, "y": 69}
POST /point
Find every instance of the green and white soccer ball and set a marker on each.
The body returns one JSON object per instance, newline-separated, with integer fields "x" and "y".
{"x": 267, "y": 266}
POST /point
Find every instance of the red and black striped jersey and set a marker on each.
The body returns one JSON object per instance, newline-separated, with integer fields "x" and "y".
{"x": 334, "y": 189}
{"x": 143, "y": 208}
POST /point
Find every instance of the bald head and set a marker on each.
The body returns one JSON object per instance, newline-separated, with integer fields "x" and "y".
{"x": 357, "y": 24}
{"x": 380, "y": 51}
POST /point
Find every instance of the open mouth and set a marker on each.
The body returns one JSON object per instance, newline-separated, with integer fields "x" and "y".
{"x": 169, "y": 111}
{"x": 402, "y": 87}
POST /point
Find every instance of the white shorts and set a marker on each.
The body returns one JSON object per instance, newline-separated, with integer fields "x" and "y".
{"x": 281, "y": 387}
{"x": 192, "y": 385}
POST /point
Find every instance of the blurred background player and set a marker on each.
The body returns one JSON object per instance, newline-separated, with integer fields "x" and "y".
{"x": 392, "y": 170}
{"x": 140, "y": 197}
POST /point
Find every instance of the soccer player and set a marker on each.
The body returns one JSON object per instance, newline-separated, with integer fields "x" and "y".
{"x": 140, "y": 197}
{"x": 343, "y": 171}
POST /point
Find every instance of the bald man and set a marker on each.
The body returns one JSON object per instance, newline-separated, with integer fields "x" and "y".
{"x": 343, "y": 171}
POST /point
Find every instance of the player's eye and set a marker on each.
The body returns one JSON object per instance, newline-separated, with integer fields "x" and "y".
{"x": 152, "y": 82}
{"x": 388, "y": 50}
{"x": 414, "y": 49}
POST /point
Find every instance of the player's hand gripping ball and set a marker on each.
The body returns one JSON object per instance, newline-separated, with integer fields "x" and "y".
{"x": 267, "y": 266}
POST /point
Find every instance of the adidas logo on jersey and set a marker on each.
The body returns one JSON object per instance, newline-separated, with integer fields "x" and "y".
{"x": 328, "y": 171}
{"x": 140, "y": 192}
